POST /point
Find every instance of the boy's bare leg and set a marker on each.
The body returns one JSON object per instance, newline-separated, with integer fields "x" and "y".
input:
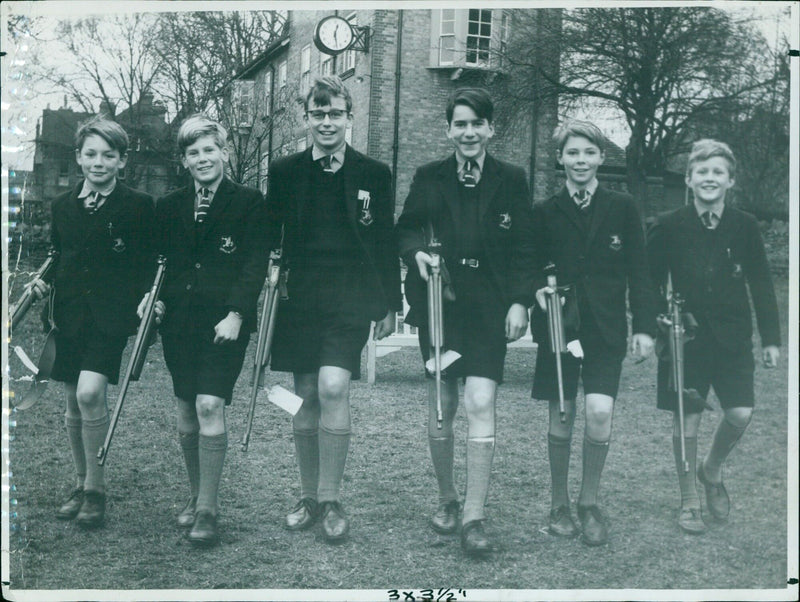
{"x": 689, "y": 518}
{"x": 74, "y": 427}
{"x": 91, "y": 397}
{"x": 189, "y": 440}
{"x": 599, "y": 412}
{"x": 441, "y": 443}
{"x": 559, "y": 439}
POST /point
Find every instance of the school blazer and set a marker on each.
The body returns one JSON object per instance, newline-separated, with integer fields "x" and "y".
{"x": 714, "y": 278}
{"x": 104, "y": 264}
{"x": 506, "y": 228}
{"x": 370, "y": 212}
{"x": 603, "y": 261}
{"x": 220, "y": 264}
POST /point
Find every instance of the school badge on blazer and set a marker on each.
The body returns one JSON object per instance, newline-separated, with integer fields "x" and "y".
{"x": 118, "y": 246}
{"x": 505, "y": 221}
{"x": 365, "y": 218}
{"x": 227, "y": 245}
{"x": 616, "y": 242}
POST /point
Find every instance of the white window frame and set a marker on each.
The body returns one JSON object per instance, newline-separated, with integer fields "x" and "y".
{"x": 283, "y": 74}
{"x": 450, "y": 35}
{"x": 305, "y": 68}
{"x": 326, "y": 66}
{"x": 264, "y": 184}
{"x": 267, "y": 92}
{"x": 243, "y": 95}
{"x": 480, "y": 38}
{"x": 347, "y": 62}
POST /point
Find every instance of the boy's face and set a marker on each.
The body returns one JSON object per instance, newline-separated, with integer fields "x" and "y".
{"x": 580, "y": 158}
{"x": 99, "y": 162}
{"x": 710, "y": 180}
{"x": 205, "y": 160}
{"x": 469, "y": 133}
{"x": 328, "y": 123}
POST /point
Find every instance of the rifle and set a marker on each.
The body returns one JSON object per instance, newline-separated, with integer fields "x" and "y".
{"x": 676, "y": 339}
{"x": 276, "y": 290}
{"x": 28, "y": 297}
{"x": 555, "y": 325}
{"x": 144, "y": 338}
{"x": 436, "y": 320}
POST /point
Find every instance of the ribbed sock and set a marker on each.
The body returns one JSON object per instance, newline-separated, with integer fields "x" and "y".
{"x": 94, "y": 435}
{"x": 333, "y": 447}
{"x": 726, "y": 437}
{"x": 190, "y": 445}
{"x": 306, "y": 446}
{"x": 594, "y": 458}
{"x": 480, "y": 453}
{"x": 212, "y": 457}
{"x": 442, "y": 457}
{"x": 74, "y": 428}
{"x": 686, "y": 480}
{"x": 559, "y": 450}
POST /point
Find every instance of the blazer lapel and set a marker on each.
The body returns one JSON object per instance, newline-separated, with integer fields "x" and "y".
{"x": 490, "y": 180}
{"x": 448, "y": 189}
{"x": 302, "y": 182}
{"x": 186, "y": 208}
{"x": 352, "y": 179}
{"x": 566, "y": 205}
{"x": 601, "y": 206}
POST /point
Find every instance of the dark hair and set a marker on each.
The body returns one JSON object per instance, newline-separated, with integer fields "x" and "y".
{"x": 582, "y": 129}
{"x": 198, "y": 125}
{"x": 325, "y": 88}
{"x": 108, "y": 130}
{"x": 707, "y": 148}
{"x": 476, "y": 99}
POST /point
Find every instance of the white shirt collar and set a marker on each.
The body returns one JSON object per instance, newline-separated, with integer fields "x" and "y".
{"x": 88, "y": 189}
{"x": 590, "y": 188}
{"x": 479, "y": 160}
{"x": 337, "y": 156}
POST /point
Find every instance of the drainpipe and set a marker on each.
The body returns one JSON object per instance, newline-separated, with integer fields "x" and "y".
{"x": 398, "y": 64}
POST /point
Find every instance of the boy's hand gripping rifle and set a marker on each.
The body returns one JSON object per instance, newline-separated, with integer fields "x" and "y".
{"x": 276, "y": 290}
{"x": 145, "y": 336}
{"x": 555, "y": 328}
{"x": 436, "y": 320}
{"x": 29, "y": 297}
{"x": 676, "y": 340}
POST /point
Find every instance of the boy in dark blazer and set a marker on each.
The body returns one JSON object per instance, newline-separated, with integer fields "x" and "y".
{"x": 479, "y": 210}
{"x": 595, "y": 239}
{"x": 715, "y": 255}
{"x": 213, "y": 236}
{"x": 331, "y": 209}
{"x": 102, "y": 231}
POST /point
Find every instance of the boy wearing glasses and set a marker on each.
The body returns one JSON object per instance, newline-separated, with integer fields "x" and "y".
{"x": 331, "y": 209}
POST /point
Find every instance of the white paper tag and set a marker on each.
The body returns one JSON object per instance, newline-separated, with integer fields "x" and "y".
{"x": 285, "y": 399}
{"x": 575, "y": 348}
{"x": 447, "y": 358}
{"x": 25, "y": 359}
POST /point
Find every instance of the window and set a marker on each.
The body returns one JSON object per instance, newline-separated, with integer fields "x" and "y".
{"x": 282, "y": 71}
{"x": 479, "y": 36}
{"x": 264, "y": 172}
{"x": 348, "y": 57}
{"x": 468, "y": 37}
{"x": 300, "y": 144}
{"x": 447, "y": 37}
{"x": 243, "y": 102}
{"x": 305, "y": 68}
{"x": 505, "y": 20}
{"x": 326, "y": 68}
{"x": 267, "y": 93}
{"x": 63, "y": 173}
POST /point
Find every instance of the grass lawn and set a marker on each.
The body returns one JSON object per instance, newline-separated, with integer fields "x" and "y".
{"x": 389, "y": 492}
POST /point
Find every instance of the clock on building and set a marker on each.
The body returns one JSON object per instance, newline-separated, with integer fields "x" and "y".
{"x": 333, "y": 35}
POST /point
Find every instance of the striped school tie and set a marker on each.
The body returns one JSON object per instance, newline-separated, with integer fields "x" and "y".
{"x": 582, "y": 199}
{"x": 92, "y": 202}
{"x": 203, "y": 205}
{"x": 326, "y": 163}
{"x": 469, "y": 177}
{"x": 708, "y": 220}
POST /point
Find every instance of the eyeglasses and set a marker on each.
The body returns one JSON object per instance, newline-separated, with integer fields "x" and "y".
{"x": 333, "y": 114}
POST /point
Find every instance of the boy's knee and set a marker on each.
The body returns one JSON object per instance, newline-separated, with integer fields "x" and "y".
{"x": 333, "y": 386}
{"x": 208, "y": 407}
{"x": 739, "y": 417}
{"x": 90, "y": 398}
{"x": 479, "y": 401}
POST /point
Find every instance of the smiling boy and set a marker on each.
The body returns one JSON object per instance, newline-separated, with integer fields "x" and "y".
{"x": 213, "y": 236}
{"x": 594, "y": 238}
{"x": 715, "y": 257}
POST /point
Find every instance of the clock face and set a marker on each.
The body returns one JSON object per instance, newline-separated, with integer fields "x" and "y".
{"x": 333, "y": 35}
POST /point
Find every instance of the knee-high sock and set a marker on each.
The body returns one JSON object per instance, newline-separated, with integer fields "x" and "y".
{"x": 212, "y": 457}
{"x": 306, "y": 446}
{"x": 74, "y": 428}
{"x": 726, "y": 437}
{"x": 190, "y": 445}
{"x": 94, "y": 435}
{"x": 480, "y": 453}
{"x": 594, "y": 458}
{"x": 558, "y": 449}
{"x": 333, "y": 447}
{"x": 686, "y": 480}
{"x": 442, "y": 457}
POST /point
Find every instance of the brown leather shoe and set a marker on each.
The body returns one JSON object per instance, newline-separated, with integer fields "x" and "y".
{"x": 690, "y": 521}
{"x": 562, "y": 523}
{"x": 72, "y": 506}
{"x": 473, "y": 539}
{"x": 335, "y": 525}
{"x": 186, "y": 517}
{"x": 717, "y": 500}
{"x": 594, "y": 530}
{"x": 93, "y": 510}
{"x": 303, "y": 515}
{"x": 204, "y": 531}
{"x": 445, "y": 521}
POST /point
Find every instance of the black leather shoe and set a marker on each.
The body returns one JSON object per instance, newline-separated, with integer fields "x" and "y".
{"x": 335, "y": 525}
{"x": 204, "y": 531}
{"x": 72, "y": 506}
{"x": 93, "y": 510}
{"x": 303, "y": 515}
{"x": 690, "y": 521}
{"x": 473, "y": 539}
{"x": 717, "y": 500}
{"x": 445, "y": 521}
{"x": 186, "y": 517}
{"x": 594, "y": 531}
{"x": 562, "y": 523}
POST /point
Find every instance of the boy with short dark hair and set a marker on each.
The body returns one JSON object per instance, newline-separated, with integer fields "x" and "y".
{"x": 715, "y": 256}
{"x": 102, "y": 231}
{"x": 212, "y": 234}
{"x": 594, "y": 238}
{"x": 335, "y": 209}
{"x": 478, "y": 209}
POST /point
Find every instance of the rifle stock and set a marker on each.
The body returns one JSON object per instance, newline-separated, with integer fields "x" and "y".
{"x": 558, "y": 344}
{"x": 28, "y": 297}
{"x": 138, "y": 354}
{"x": 436, "y": 322}
{"x": 266, "y": 329}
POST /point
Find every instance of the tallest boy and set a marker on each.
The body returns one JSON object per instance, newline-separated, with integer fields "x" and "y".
{"x": 335, "y": 207}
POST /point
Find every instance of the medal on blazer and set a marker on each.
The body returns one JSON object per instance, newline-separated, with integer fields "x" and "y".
{"x": 505, "y": 221}
{"x": 616, "y": 242}
{"x": 227, "y": 245}
{"x": 366, "y": 214}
